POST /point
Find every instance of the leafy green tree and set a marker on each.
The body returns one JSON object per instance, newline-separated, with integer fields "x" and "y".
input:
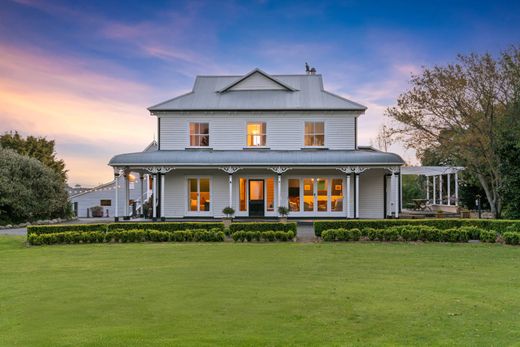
{"x": 35, "y": 147}
{"x": 29, "y": 190}
{"x": 457, "y": 109}
{"x": 412, "y": 189}
{"x": 508, "y": 140}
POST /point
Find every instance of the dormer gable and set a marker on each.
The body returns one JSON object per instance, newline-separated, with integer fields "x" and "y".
{"x": 257, "y": 80}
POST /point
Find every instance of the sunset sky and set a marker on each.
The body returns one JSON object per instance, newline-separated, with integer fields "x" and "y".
{"x": 83, "y": 73}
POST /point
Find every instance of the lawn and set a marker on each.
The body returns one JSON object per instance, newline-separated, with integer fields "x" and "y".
{"x": 259, "y": 294}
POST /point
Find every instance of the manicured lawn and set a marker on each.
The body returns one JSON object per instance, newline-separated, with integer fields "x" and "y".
{"x": 259, "y": 294}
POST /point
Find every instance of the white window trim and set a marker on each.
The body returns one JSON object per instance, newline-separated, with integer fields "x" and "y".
{"x": 187, "y": 196}
{"x": 324, "y": 133}
{"x": 236, "y": 196}
{"x": 247, "y": 134}
{"x": 188, "y": 141}
{"x": 315, "y": 212}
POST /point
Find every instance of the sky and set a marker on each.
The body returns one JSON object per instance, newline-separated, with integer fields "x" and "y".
{"x": 84, "y": 72}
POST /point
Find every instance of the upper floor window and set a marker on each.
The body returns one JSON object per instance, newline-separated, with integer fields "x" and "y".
{"x": 256, "y": 134}
{"x": 314, "y": 134}
{"x": 199, "y": 134}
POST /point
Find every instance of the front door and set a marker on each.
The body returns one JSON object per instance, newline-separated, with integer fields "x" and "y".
{"x": 256, "y": 198}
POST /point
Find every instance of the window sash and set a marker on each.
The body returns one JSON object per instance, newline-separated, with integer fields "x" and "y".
{"x": 314, "y": 134}
{"x": 256, "y": 134}
{"x": 199, "y": 134}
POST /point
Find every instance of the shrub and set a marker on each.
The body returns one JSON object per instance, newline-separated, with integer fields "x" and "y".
{"x": 228, "y": 211}
{"x": 49, "y": 229}
{"x": 489, "y": 236}
{"x": 269, "y": 236}
{"x": 283, "y": 211}
{"x": 262, "y": 226}
{"x": 446, "y": 223}
{"x": 511, "y": 237}
{"x": 166, "y": 226}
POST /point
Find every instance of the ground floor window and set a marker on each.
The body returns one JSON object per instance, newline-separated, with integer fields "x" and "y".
{"x": 243, "y": 194}
{"x": 199, "y": 194}
{"x": 269, "y": 188}
{"x": 315, "y": 194}
{"x": 257, "y": 189}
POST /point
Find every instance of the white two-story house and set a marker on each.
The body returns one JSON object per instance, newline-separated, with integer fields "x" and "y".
{"x": 258, "y": 141}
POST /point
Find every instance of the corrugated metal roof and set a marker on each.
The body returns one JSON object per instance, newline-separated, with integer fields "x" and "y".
{"x": 430, "y": 170}
{"x": 257, "y": 158}
{"x": 308, "y": 94}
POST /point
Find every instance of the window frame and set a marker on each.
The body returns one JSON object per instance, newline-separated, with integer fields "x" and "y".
{"x": 187, "y": 196}
{"x": 314, "y": 134}
{"x": 198, "y": 134}
{"x": 264, "y": 134}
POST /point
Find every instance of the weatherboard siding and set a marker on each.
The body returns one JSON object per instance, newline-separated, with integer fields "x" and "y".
{"x": 284, "y": 131}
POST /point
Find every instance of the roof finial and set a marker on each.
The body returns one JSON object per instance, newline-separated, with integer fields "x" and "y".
{"x": 310, "y": 71}
{"x": 307, "y": 69}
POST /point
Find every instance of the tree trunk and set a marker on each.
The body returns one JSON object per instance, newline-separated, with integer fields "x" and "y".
{"x": 492, "y": 197}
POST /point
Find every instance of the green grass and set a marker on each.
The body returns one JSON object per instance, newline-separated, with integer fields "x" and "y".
{"x": 259, "y": 294}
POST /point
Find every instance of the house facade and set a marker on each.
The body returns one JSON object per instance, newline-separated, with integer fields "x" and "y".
{"x": 258, "y": 141}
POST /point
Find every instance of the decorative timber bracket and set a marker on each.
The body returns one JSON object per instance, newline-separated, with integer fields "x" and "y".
{"x": 230, "y": 169}
{"x": 159, "y": 169}
{"x": 279, "y": 169}
{"x": 352, "y": 169}
{"x": 393, "y": 169}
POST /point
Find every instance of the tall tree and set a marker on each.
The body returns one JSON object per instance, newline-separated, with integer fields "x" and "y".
{"x": 36, "y": 147}
{"x": 457, "y": 109}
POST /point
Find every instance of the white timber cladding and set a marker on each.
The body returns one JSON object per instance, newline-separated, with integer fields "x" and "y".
{"x": 371, "y": 193}
{"x": 285, "y": 131}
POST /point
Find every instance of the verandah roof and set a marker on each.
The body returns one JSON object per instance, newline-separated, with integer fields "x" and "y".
{"x": 257, "y": 158}
{"x": 430, "y": 170}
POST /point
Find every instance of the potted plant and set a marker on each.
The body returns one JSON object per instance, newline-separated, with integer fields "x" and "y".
{"x": 229, "y": 212}
{"x": 283, "y": 211}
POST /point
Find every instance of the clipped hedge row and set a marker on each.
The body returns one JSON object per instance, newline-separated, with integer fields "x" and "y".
{"x": 500, "y": 226}
{"x": 410, "y": 233}
{"x": 163, "y": 226}
{"x": 262, "y": 226}
{"x": 268, "y": 236}
{"x": 511, "y": 237}
{"x": 50, "y": 229}
{"x": 136, "y": 235}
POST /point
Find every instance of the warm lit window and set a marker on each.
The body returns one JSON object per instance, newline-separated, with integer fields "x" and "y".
{"x": 199, "y": 134}
{"x": 198, "y": 194}
{"x": 269, "y": 187}
{"x": 336, "y": 195}
{"x": 105, "y": 203}
{"x": 256, "y": 134}
{"x": 314, "y": 134}
{"x": 294, "y": 195}
{"x": 243, "y": 194}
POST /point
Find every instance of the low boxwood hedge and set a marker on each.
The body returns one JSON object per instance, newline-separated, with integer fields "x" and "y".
{"x": 499, "y": 226}
{"x": 120, "y": 235}
{"x": 257, "y": 235}
{"x": 411, "y": 233}
{"x": 166, "y": 226}
{"x": 163, "y": 226}
{"x": 511, "y": 237}
{"x": 262, "y": 226}
{"x": 50, "y": 229}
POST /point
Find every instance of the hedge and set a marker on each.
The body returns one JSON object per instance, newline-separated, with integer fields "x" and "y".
{"x": 511, "y": 237}
{"x": 257, "y": 235}
{"x": 166, "y": 226}
{"x": 50, "y": 229}
{"x": 500, "y": 226}
{"x": 136, "y": 235}
{"x": 262, "y": 226}
{"x": 163, "y": 226}
{"x": 411, "y": 233}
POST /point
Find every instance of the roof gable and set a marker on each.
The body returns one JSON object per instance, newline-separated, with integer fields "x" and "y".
{"x": 257, "y": 80}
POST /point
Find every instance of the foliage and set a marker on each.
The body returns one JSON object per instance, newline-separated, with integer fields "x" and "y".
{"x": 412, "y": 189}
{"x": 457, "y": 109}
{"x": 35, "y": 147}
{"x": 445, "y": 223}
{"x": 50, "y": 229}
{"x": 511, "y": 238}
{"x": 124, "y": 236}
{"x": 262, "y": 226}
{"x": 489, "y": 236}
{"x": 508, "y": 139}
{"x": 29, "y": 190}
{"x": 228, "y": 211}
{"x": 166, "y": 226}
{"x": 257, "y": 235}
{"x": 283, "y": 211}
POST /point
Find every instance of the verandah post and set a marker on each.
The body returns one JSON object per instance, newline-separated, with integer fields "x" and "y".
{"x": 356, "y": 195}
{"x": 456, "y": 189}
{"x": 116, "y": 212}
{"x": 154, "y": 199}
{"x": 231, "y": 190}
{"x": 348, "y": 196}
{"x": 163, "y": 218}
{"x": 449, "y": 189}
{"x": 434, "y": 190}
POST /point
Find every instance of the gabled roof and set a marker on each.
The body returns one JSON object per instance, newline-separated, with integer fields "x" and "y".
{"x": 260, "y": 72}
{"x": 296, "y": 93}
